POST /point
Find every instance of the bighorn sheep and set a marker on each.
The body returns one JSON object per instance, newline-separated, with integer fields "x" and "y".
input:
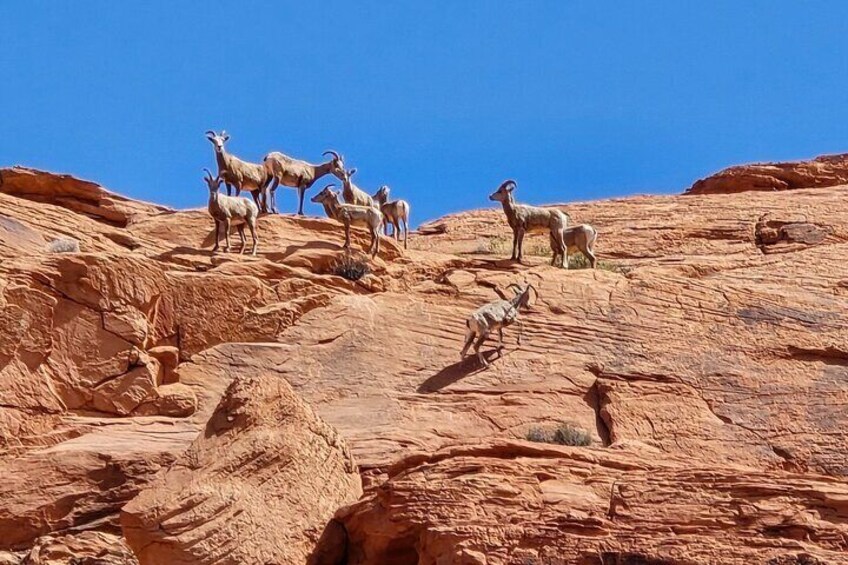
{"x": 286, "y": 171}
{"x": 227, "y": 209}
{"x": 352, "y": 194}
{"x": 394, "y": 212}
{"x": 350, "y": 214}
{"x": 581, "y": 238}
{"x": 496, "y": 316}
{"x": 235, "y": 172}
{"x": 529, "y": 219}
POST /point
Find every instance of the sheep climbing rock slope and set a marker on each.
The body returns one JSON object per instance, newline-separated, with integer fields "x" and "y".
{"x": 156, "y": 394}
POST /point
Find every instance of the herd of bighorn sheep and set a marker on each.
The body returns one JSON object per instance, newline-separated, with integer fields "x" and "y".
{"x": 374, "y": 212}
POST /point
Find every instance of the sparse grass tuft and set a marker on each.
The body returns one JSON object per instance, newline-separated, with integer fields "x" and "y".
{"x": 350, "y": 268}
{"x": 63, "y": 245}
{"x": 564, "y": 434}
{"x": 499, "y": 245}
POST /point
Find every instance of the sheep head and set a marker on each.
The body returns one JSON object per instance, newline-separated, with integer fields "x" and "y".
{"x": 522, "y": 294}
{"x": 382, "y": 195}
{"x": 218, "y": 140}
{"x": 213, "y": 183}
{"x": 503, "y": 192}
{"x": 337, "y": 164}
{"x": 326, "y": 195}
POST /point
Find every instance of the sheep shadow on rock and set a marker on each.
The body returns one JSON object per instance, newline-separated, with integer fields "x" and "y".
{"x": 456, "y": 372}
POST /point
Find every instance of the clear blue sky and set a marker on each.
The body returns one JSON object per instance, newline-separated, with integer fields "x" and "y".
{"x": 441, "y": 100}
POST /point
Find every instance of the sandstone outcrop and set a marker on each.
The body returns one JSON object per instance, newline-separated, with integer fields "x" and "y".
{"x": 705, "y": 359}
{"x": 827, "y": 170}
{"x": 260, "y": 484}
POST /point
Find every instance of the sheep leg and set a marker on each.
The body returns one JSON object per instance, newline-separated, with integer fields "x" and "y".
{"x": 227, "y": 234}
{"x": 255, "y": 194}
{"x": 514, "y": 244}
{"x": 405, "y": 232}
{"x": 347, "y": 234}
{"x": 477, "y": 345}
{"x": 217, "y": 238}
{"x": 375, "y": 241}
{"x": 301, "y": 192}
{"x": 252, "y": 225}
{"x": 396, "y": 229}
{"x": 230, "y": 190}
{"x": 243, "y": 239}
{"x": 591, "y": 256}
{"x": 271, "y": 195}
{"x": 520, "y": 244}
{"x": 520, "y": 331}
{"x": 500, "y": 341}
{"x": 562, "y": 249}
{"x": 469, "y": 339}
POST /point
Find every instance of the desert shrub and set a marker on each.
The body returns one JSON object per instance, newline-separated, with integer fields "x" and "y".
{"x": 579, "y": 261}
{"x": 569, "y": 434}
{"x": 564, "y": 434}
{"x": 63, "y": 245}
{"x": 350, "y": 268}
{"x": 499, "y": 245}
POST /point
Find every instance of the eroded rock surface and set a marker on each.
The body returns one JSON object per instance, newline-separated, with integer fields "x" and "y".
{"x": 705, "y": 359}
{"x": 260, "y": 485}
{"x": 827, "y": 170}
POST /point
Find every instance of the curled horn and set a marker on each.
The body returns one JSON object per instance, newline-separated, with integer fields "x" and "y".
{"x": 335, "y": 155}
{"x": 518, "y": 288}
{"x": 507, "y": 183}
{"x": 208, "y": 173}
{"x": 533, "y": 288}
{"x": 209, "y": 133}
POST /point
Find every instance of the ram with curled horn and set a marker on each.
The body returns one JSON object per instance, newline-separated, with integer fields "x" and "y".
{"x": 524, "y": 219}
{"x": 237, "y": 173}
{"x": 496, "y": 316}
{"x": 294, "y": 173}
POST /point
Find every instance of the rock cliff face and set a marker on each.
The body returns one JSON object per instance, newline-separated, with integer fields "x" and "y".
{"x": 706, "y": 361}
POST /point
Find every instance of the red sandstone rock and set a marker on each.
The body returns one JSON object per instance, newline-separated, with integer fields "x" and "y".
{"x": 708, "y": 350}
{"x": 260, "y": 484}
{"x": 827, "y": 170}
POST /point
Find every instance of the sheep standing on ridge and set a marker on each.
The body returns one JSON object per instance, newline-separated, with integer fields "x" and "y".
{"x": 575, "y": 238}
{"x": 496, "y": 316}
{"x": 352, "y": 215}
{"x": 394, "y": 212}
{"x": 286, "y": 171}
{"x": 228, "y": 209}
{"x": 237, "y": 173}
{"x": 352, "y": 194}
{"x": 525, "y": 219}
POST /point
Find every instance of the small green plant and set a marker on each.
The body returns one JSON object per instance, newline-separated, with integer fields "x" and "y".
{"x": 578, "y": 261}
{"x": 499, "y": 245}
{"x": 538, "y": 249}
{"x": 564, "y": 434}
{"x": 350, "y": 268}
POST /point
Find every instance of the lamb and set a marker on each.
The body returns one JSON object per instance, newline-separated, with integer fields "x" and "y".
{"x": 282, "y": 169}
{"x": 350, "y": 214}
{"x": 235, "y": 172}
{"x": 580, "y": 237}
{"x": 352, "y": 194}
{"x": 496, "y": 316}
{"x": 525, "y": 219}
{"x": 226, "y": 209}
{"x": 394, "y": 212}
